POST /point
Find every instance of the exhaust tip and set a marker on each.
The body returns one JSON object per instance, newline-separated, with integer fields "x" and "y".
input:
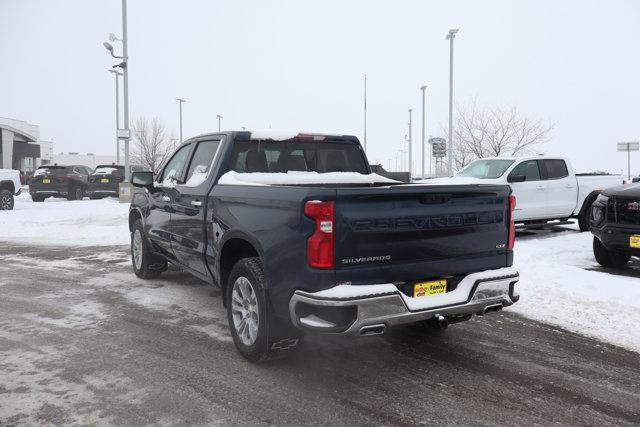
{"x": 373, "y": 330}
{"x": 492, "y": 308}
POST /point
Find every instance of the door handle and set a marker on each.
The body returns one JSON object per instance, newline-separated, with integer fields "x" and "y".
{"x": 540, "y": 187}
{"x": 196, "y": 203}
{"x": 166, "y": 198}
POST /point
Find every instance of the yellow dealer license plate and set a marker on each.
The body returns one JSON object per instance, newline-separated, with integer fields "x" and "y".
{"x": 104, "y": 180}
{"x": 634, "y": 241}
{"x": 425, "y": 289}
{"x": 46, "y": 181}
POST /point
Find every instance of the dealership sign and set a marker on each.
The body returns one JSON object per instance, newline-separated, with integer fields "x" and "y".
{"x": 438, "y": 147}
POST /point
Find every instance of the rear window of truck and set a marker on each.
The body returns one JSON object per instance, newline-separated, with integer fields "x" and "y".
{"x": 286, "y": 156}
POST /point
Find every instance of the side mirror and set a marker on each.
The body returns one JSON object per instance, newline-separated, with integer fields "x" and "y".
{"x": 142, "y": 179}
{"x": 516, "y": 178}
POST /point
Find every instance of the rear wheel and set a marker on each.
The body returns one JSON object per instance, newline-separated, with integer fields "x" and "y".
{"x": 6, "y": 200}
{"x": 257, "y": 334}
{"x": 146, "y": 265}
{"x": 608, "y": 258}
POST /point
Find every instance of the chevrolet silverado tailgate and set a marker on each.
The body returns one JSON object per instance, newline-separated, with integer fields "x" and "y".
{"x": 420, "y": 231}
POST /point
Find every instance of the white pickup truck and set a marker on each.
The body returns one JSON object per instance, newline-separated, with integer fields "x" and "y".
{"x": 10, "y": 185}
{"x": 546, "y": 188}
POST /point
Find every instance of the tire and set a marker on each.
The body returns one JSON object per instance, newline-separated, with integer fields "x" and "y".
{"x": 263, "y": 337}
{"x": 6, "y": 200}
{"x": 147, "y": 265}
{"x": 75, "y": 193}
{"x": 583, "y": 219}
{"x": 37, "y": 198}
{"x": 607, "y": 258}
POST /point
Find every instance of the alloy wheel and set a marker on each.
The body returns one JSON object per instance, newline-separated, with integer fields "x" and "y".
{"x": 137, "y": 249}
{"x": 244, "y": 310}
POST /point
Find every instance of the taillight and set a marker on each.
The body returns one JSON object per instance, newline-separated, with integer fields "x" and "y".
{"x": 512, "y": 225}
{"x": 321, "y": 245}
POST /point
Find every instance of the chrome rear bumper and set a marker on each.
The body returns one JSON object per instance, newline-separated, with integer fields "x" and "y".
{"x": 376, "y": 307}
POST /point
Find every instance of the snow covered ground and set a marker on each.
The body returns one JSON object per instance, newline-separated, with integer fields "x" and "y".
{"x": 62, "y": 222}
{"x": 559, "y": 284}
{"x": 560, "y": 281}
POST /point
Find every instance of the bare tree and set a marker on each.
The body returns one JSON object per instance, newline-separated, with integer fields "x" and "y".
{"x": 152, "y": 148}
{"x": 494, "y": 132}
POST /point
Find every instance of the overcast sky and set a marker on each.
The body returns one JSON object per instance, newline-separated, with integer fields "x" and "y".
{"x": 300, "y": 65}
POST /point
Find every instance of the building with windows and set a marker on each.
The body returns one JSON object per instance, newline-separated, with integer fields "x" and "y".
{"x": 19, "y": 145}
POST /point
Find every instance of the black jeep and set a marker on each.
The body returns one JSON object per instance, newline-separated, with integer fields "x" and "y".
{"x": 59, "y": 181}
{"x": 615, "y": 224}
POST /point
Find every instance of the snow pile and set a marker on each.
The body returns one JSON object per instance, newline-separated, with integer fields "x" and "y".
{"x": 105, "y": 170}
{"x": 560, "y": 284}
{"x": 62, "y": 222}
{"x": 276, "y": 135}
{"x": 301, "y": 178}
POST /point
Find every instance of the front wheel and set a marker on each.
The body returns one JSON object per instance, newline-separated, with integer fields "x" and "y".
{"x": 257, "y": 334}
{"x": 146, "y": 265}
{"x": 607, "y": 258}
{"x": 583, "y": 219}
{"x": 6, "y": 200}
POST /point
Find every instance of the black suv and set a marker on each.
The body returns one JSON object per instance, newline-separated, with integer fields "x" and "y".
{"x": 615, "y": 224}
{"x": 59, "y": 181}
{"x": 104, "y": 181}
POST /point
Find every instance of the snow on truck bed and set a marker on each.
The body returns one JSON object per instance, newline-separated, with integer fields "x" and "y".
{"x": 301, "y": 178}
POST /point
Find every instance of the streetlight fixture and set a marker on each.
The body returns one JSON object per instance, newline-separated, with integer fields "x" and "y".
{"x": 451, "y": 36}
{"x": 117, "y": 74}
{"x": 219, "y": 117}
{"x": 423, "y": 89}
{"x": 180, "y": 101}
{"x": 124, "y": 65}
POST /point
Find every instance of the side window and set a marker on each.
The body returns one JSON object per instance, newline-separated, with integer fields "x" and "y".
{"x": 175, "y": 166}
{"x": 529, "y": 169}
{"x": 555, "y": 169}
{"x": 201, "y": 162}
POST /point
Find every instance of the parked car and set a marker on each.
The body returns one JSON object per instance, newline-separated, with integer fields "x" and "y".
{"x": 301, "y": 237}
{"x": 105, "y": 179}
{"x": 546, "y": 187}
{"x": 59, "y": 181}
{"x": 615, "y": 225}
{"x": 10, "y": 185}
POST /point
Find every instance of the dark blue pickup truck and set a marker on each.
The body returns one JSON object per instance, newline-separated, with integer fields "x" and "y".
{"x": 302, "y": 237}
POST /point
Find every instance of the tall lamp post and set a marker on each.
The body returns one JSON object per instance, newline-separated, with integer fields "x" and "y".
{"x": 410, "y": 140}
{"x": 117, "y": 74}
{"x": 423, "y": 89}
{"x": 219, "y": 118}
{"x": 365, "y": 113}
{"x": 124, "y": 65}
{"x": 451, "y": 36}
{"x": 180, "y": 101}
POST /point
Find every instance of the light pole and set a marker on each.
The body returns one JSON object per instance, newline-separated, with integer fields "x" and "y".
{"x": 365, "y": 113}
{"x": 117, "y": 74}
{"x": 180, "y": 101}
{"x": 219, "y": 117}
{"x": 423, "y": 89}
{"x": 124, "y": 65}
{"x": 410, "y": 138}
{"x": 450, "y": 37}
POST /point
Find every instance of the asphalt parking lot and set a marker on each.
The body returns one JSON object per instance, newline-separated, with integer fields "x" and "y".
{"x": 84, "y": 341}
